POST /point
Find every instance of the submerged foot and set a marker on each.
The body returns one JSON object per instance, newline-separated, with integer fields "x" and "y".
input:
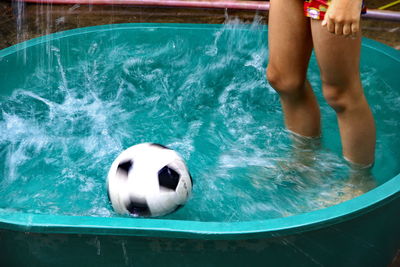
{"x": 303, "y": 153}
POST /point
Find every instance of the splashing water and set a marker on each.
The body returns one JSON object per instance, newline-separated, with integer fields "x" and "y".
{"x": 206, "y": 97}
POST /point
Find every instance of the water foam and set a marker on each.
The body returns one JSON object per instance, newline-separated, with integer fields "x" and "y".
{"x": 208, "y": 99}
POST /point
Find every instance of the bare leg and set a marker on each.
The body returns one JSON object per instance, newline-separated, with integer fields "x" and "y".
{"x": 338, "y": 59}
{"x": 290, "y": 46}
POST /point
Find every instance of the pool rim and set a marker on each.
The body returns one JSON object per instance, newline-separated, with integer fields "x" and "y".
{"x": 157, "y": 227}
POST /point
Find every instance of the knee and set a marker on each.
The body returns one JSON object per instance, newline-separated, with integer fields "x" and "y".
{"x": 285, "y": 83}
{"x": 341, "y": 98}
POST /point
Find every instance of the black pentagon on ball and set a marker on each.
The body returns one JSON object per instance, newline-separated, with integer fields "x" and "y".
{"x": 138, "y": 208}
{"x": 125, "y": 166}
{"x": 168, "y": 178}
{"x": 159, "y": 145}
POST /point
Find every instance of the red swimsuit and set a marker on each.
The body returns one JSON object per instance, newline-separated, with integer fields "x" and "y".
{"x": 316, "y": 9}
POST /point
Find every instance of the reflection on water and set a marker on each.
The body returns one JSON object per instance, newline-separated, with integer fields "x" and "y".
{"x": 204, "y": 96}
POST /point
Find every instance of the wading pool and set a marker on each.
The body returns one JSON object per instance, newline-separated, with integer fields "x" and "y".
{"x": 71, "y": 101}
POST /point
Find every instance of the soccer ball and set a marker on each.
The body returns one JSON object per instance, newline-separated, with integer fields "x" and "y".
{"x": 148, "y": 180}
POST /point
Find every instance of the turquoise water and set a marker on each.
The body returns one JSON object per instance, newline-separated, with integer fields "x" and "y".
{"x": 80, "y": 101}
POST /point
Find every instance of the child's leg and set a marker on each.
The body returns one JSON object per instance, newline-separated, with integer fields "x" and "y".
{"x": 338, "y": 59}
{"x": 290, "y": 46}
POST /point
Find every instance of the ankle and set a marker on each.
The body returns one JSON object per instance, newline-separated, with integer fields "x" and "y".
{"x": 305, "y": 142}
{"x": 359, "y": 166}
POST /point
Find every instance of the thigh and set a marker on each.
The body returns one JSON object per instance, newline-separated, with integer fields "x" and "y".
{"x": 338, "y": 57}
{"x": 289, "y": 37}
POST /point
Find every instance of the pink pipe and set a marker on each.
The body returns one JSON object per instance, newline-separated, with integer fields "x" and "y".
{"x": 248, "y": 5}
{"x": 230, "y": 4}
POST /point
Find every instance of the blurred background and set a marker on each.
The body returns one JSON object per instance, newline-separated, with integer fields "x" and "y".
{"x": 21, "y": 21}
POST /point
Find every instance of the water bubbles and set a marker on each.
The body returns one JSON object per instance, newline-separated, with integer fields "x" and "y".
{"x": 205, "y": 97}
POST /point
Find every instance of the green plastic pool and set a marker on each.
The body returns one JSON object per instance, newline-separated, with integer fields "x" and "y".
{"x": 363, "y": 231}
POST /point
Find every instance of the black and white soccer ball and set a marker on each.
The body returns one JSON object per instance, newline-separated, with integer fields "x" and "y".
{"x": 148, "y": 180}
